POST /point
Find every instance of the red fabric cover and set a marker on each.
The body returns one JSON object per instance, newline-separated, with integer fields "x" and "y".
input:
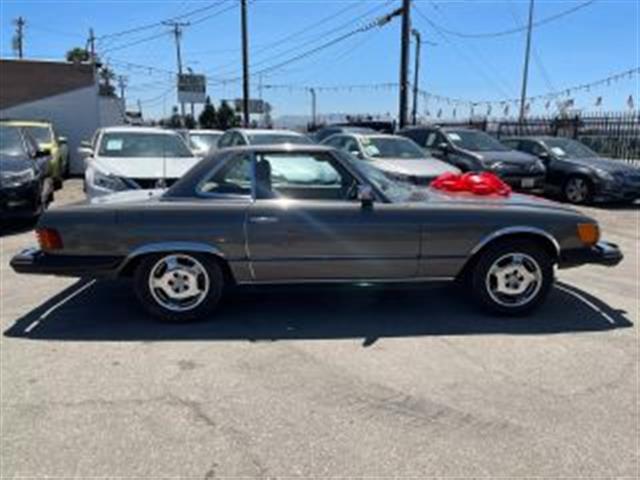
{"x": 484, "y": 183}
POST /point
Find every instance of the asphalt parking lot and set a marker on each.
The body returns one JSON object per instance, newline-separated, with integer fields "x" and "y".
{"x": 322, "y": 382}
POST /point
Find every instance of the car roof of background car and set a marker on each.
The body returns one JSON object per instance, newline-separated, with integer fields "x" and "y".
{"x": 133, "y": 129}
{"x": 377, "y": 135}
{"x": 266, "y": 131}
{"x": 205, "y": 130}
{"x": 25, "y": 123}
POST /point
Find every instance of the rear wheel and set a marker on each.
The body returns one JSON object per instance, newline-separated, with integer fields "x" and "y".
{"x": 179, "y": 287}
{"x": 578, "y": 190}
{"x": 512, "y": 277}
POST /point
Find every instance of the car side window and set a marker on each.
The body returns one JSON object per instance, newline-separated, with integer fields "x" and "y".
{"x": 335, "y": 141}
{"x": 233, "y": 178}
{"x": 225, "y": 140}
{"x": 418, "y": 136}
{"x": 351, "y": 145}
{"x": 531, "y": 147}
{"x": 308, "y": 176}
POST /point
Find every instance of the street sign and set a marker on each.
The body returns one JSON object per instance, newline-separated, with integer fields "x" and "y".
{"x": 192, "y": 88}
{"x": 256, "y": 106}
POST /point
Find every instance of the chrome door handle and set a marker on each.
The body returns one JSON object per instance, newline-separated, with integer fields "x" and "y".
{"x": 264, "y": 219}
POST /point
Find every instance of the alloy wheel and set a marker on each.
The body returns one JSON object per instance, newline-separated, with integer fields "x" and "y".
{"x": 514, "y": 280}
{"x": 179, "y": 282}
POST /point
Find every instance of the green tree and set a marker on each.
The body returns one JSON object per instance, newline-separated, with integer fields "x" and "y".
{"x": 175, "y": 121}
{"x": 227, "y": 117}
{"x": 189, "y": 122}
{"x": 78, "y": 55}
{"x": 208, "y": 117}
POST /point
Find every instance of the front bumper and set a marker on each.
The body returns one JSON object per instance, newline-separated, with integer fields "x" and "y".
{"x": 616, "y": 192}
{"x": 527, "y": 183}
{"x": 602, "y": 253}
{"x": 35, "y": 261}
{"x": 19, "y": 201}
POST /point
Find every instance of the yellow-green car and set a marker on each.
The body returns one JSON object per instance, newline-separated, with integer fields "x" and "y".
{"x": 43, "y": 132}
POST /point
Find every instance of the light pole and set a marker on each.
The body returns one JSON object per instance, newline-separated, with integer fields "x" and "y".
{"x": 404, "y": 62}
{"x": 525, "y": 73}
{"x": 245, "y": 64}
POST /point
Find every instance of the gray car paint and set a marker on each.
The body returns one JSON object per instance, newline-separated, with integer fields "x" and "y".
{"x": 311, "y": 240}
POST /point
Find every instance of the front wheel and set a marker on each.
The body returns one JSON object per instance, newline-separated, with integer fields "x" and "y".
{"x": 512, "y": 277}
{"x": 179, "y": 287}
{"x": 578, "y": 190}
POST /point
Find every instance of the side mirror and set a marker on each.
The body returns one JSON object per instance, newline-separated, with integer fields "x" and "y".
{"x": 62, "y": 140}
{"x": 86, "y": 144}
{"x": 365, "y": 195}
{"x": 443, "y": 147}
{"x": 42, "y": 152}
{"x": 85, "y": 152}
{"x": 357, "y": 154}
{"x": 544, "y": 156}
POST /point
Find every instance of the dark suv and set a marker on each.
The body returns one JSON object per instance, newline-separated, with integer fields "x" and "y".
{"x": 475, "y": 151}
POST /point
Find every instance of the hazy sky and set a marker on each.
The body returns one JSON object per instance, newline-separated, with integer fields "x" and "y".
{"x": 591, "y": 43}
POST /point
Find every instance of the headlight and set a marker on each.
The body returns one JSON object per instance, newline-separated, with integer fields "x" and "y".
{"x": 105, "y": 180}
{"x": 13, "y": 179}
{"x": 604, "y": 175}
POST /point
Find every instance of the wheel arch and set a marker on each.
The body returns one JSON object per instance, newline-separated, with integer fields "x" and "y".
{"x": 537, "y": 235}
{"x": 132, "y": 260}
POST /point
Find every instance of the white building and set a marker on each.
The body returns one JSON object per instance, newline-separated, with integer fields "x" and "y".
{"x": 66, "y": 94}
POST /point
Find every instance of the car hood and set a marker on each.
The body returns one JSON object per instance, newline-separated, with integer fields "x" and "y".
{"x": 608, "y": 164}
{"x": 421, "y": 167}
{"x": 509, "y": 156}
{"x": 10, "y": 163}
{"x": 511, "y": 200}
{"x": 137, "y": 167}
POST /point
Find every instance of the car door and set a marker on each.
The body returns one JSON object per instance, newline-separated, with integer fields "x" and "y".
{"x": 307, "y": 225}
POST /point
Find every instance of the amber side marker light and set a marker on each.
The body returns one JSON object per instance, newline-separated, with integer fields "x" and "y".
{"x": 589, "y": 233}
{"x": 49, "y": 239}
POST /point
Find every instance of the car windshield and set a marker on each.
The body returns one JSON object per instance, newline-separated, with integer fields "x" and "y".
{"x": 41, "y": 134}
{"x": 204, "y": 141}
{"x": 391, "y": 147}
{"x": 475, "y": 141}
{"x": 396, "y": 192}
{"x": 10, "y": 141}
{"x": 134, "y": 144}
{"x": 277, "y": 138}
{"x": 567, "y": 148}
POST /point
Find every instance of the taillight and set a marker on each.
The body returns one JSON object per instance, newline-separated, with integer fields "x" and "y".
{"x": 49, "y": 239}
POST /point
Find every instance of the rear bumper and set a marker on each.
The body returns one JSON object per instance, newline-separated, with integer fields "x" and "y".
{"x": 527, "y": 183}
{"x": 36, "y": 261}
{"x": 603, "y": 253}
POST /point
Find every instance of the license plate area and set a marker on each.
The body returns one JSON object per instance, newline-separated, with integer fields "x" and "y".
{"x": 528, "y": 182}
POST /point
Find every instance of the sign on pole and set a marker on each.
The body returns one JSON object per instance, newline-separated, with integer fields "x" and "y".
{"x": 256, "y": 106}
{"x": 192, "y": 88}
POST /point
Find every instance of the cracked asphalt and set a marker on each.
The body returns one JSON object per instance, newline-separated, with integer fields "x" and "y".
{"x": 301, "y": 382}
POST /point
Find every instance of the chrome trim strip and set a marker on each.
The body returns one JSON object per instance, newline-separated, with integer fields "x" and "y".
{"x": 515, "y": 230}
{"x": 350, "y": 280}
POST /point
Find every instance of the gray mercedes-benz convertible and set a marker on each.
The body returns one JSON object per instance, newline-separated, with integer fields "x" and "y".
{"x": 293, "y": 213}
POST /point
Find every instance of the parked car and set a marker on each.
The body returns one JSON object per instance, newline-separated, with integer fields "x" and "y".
{"x": 202, "y": 142}
{"x": 26, "y": 186}
{"x": 231, "y": 221}
{"x": 326, "y": 132}
{"x": 578, "y": 173}
{"x": 238, "y": 137}
{"x": 472, "y": 150}
{"x": 397, "y": 156}
{"x": 129, "y": 158}
{"x": 49, "y": 142}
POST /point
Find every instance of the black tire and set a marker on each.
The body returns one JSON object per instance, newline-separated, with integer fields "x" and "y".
{"x": 577, "y": 190}
{"x": 531, "y": 253}
{"x": 200, "y": 311}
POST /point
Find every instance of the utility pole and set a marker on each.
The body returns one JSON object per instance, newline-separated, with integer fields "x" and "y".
{"x": 245, "y": 65}
{"x": 122, "y": 83}
{"x": 18, "y": 40}
{"x": 177, "y": 34}
{"x": 312, "y": 91}
{"x": 92, "y": 46}
{"x": 525, "y": 74}
{"x": 404, "y": 63}
{"x": 416, "y": 76}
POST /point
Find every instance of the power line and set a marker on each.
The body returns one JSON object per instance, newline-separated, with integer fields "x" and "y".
{"x": 512, "y": 31}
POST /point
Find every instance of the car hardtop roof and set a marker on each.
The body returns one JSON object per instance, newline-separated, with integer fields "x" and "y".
{"x": 377, "y": 135}
{"x": 266, "y": 131}
{"x": 133, "y": 129}
{"x": 533, "y": 137}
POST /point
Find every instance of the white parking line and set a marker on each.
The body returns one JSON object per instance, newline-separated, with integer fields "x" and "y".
{"x": 58, "y": 305}
{"x": 587, "y": 302}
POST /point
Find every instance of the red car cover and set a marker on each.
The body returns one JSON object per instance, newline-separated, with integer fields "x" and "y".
{"x": 484, "y": 183}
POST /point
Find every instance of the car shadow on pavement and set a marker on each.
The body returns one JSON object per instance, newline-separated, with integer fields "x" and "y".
{"x": 16, "y": 227}
{"x": 108, "y": 311}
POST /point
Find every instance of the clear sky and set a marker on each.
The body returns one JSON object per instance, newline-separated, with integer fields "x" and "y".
{"x": 591, "y": 43}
